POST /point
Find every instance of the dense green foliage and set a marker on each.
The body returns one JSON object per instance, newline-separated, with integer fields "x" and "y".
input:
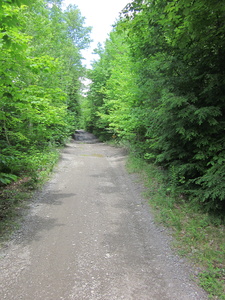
{"x": 160, "y": 84}
{"x": 40, "y": 67}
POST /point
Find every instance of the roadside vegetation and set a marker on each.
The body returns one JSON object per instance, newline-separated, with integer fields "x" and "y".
{"x": 15, "y": 197}
{"x": 198, "y": 236}
{"x": 40, "y": 71}
{"x": 159, "y": 84}
{"x": 158, "y": 87}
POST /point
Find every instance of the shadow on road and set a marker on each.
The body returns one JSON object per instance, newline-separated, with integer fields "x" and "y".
{"x": 85, "y": 137}
{"x": 35, "y": 225}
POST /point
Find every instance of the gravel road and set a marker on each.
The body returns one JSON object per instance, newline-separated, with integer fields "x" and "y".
{"x": 90, "y": 235}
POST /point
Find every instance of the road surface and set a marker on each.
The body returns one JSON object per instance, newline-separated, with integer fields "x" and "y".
{"x": 90, "y": 235}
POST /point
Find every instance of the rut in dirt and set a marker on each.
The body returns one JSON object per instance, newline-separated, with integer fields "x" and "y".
{"x": 90, "y": 235}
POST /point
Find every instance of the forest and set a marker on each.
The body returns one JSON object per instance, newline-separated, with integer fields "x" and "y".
{"x": 160, "y": 85}
{"x": 157, "y": 88}
{"x": 40, "y": 71}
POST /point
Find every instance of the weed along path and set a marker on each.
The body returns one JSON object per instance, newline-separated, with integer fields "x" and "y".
{"x": 89, "y": 235}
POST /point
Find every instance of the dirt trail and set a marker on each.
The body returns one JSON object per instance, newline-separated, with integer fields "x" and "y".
{"x": 89, "y": 235}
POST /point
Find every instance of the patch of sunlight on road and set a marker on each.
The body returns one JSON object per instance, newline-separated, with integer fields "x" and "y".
{"x": 93, "y": 155}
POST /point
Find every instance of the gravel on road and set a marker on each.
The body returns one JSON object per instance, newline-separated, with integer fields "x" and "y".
{"x": 89, "y": 234}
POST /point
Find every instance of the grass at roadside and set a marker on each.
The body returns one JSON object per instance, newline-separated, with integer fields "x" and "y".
{"x": 14, "y": 198}
{"x": 199, "y": 237}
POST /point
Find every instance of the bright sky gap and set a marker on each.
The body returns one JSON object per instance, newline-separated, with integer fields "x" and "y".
{"x": 100, "y": 15}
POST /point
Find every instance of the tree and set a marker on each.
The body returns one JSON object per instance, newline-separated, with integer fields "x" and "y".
{"x": 175, "y": 53}
{"x": 39, "y": 80}
{"x": 116, "y": 113}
